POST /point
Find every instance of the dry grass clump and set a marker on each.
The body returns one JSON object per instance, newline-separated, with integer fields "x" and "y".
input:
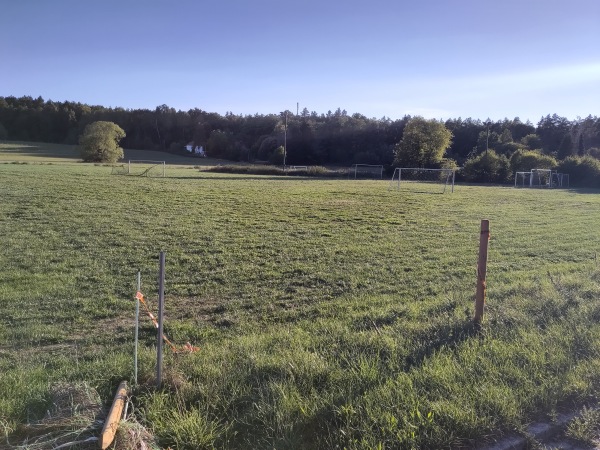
{"x": 74, "y": 418}
{"x": 74, "y": 421}
{"x": 131, "y": 435}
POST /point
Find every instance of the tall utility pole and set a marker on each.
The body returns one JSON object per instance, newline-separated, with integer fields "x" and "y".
{"x": 487, "y": 139}
{"x": 285, "y": 140}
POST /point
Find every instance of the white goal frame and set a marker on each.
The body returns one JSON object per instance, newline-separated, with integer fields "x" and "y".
{"x": 373, "y": 169}
{"x": 445, "y": 177}
{"x": 541, "y": 178}
{"x": 148, "y": 162}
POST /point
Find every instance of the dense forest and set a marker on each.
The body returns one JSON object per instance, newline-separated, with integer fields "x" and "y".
{"x": 334, "y": 138}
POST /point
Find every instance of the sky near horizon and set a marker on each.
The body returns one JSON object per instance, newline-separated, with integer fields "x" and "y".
{"x": 435, "y": 58}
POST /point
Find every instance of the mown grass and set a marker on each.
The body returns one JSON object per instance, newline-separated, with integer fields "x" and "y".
{"x": 45, "y": 153}
{"x": 329, "y": 313}
{"x": 256, "y": 169}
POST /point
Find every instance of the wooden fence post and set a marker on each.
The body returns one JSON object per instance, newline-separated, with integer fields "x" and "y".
{"x": 114, "y": 416}
{"x": 161, "y": 308}
{"x": 484, "y": 238}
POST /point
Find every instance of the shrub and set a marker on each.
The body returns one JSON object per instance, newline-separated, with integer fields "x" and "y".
{"x": 448, "y": 163}
{"x": 277, "y": 156}
{"x": 488, "y": 167}
{"x": 509, "y": 148}
{"x": 311, "y": 171}
{"x": 583, "y": 171}
{"x": 267, "y": 148}
{"x": 525, "y": 160}
{"x": 594, "y": 152}
{"x": 318, "y": 171}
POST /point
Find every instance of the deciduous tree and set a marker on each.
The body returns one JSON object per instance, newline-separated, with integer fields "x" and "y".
{"x": 100, "y": 142}
{"x": 488, "y": 167}
{"x": 532, "y": 141}
{"x": 423, "y": 144}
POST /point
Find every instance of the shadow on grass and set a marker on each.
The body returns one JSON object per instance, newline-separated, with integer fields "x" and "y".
{"x": 578, "y": 190}
{"x": 447, "y": 336}
{"x": 41, "y": 151}
{"x": 314, "y": 430}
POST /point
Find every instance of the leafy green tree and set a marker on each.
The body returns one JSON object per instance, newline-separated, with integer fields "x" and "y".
{"x": 487, "y": 140}
{"x": 506, "y": 145}
{"x": 219, "y": 144}
{"x": 100, "y": 142}
{"x": 423, "y": 143}
{"x": 267, "y": 148}
{"x": 506, "y": 136}
{"x": 525, "y": 160}
{"x": 487, "y": 167}
{"x": 566, "y": 147}
{"x": 532, "y": 141}
{"x": 552, "y": 131}
{"x": 583, "y": 171}
{"x": 277, "y": 156}
{"x": 594, "y": 152}
{"x": 464, "y": 137}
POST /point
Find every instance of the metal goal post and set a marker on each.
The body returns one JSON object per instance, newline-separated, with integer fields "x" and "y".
{"x": 541, "y": 178}
{"x": 148, "y": 165}
{"x": 364, "y": 170}
{"x": 423, "y": 177}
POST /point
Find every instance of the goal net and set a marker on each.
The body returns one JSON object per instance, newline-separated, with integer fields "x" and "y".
{"x": 141, "y": 168}
{"x": 541, "y": 178}
{"x": 423, "y": 180}
{"x": 366, "y": 171}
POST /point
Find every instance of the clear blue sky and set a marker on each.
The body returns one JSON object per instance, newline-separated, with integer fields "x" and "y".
{"x": 436, "y": 58}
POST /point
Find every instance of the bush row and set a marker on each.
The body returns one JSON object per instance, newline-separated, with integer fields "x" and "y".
{"x": 310, "y": 171}
{"x": 490, "y": 167}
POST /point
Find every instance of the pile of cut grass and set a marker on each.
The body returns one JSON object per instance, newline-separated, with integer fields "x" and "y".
{"x": 328, "y": 313}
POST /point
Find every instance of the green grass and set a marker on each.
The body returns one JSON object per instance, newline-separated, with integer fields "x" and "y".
{"x": 329, "y": 313}
{"x": 44, "y": 153}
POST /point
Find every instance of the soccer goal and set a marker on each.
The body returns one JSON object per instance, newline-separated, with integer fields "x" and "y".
{"x": 141, "y": 168}
{"x": 541, "y": 178}
{"x": 366, "y": 171}
{"x": 423, "y": 180}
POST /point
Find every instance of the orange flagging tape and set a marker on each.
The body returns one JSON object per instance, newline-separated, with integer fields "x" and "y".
{"x": 187, "y": 348}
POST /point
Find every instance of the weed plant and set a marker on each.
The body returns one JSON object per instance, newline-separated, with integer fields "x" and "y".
{"x": 329, "y": 313}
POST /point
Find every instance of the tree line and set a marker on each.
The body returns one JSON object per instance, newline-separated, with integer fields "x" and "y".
{"x": 334, "y": 138}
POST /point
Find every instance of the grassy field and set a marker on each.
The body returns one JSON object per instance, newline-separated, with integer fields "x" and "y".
{"x": 329, "y": 313}
{"x": 44, "y": 153}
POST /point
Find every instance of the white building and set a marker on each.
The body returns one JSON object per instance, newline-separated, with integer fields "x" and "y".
{"x": 197, "y": 150}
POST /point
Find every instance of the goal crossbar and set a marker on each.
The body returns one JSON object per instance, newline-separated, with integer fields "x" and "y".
{"x": 541, "y": 178}
{"x": 146, "y": 162}
{"x": 417, "y": 175}
{"x": 375, "y": 170}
